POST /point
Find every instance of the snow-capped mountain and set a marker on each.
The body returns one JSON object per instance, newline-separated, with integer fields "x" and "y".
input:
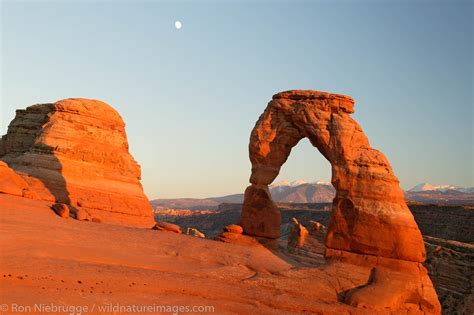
{"x": 300, "y": 191}
{"x": 298, "y": 182}
{"x": 295, "y": 183}
{"x": 442, "y": 188}
{"x": 441, "y": 194}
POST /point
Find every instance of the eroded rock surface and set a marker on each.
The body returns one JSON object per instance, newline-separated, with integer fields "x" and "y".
{"x": 165, "y": 226}
{"x": 369, "y": 211}
{"x": 233, "y": 234}
{"x": 75, "y": 152}
{"x": 370, "y": 224}
{"x": 195, "y": 232}
{"x": 61, "y": 209}
{"x": 10, "y": 182}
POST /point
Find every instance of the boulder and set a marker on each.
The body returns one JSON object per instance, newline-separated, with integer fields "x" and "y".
{"x": 236, "y": 238}
{"x": 75, "y": 151}
{"x": 233, "y": 234}
{"x": 195, "y": 232}
{"x": 165, "y": 226}
{"x": 233, "y": 228}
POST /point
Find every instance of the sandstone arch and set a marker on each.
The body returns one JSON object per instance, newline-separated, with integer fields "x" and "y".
{"x": 369, "y": 216}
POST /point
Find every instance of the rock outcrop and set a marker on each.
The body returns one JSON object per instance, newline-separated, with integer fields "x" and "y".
{"x": 75, "y": 152}
{"x": 317, "y": 230}
{"x": 298, "y": 234}
{"x": 195, "y": 232}
{"x": 233, "y": 234}
{"x": 61, "y": 209}
{"x": 166, "y": 226}
{"x": 234, "y": 228}
{"x": 10, "y": 182}
{"x": 370, "y": 223}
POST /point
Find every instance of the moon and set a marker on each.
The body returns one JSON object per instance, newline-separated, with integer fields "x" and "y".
{"x": 178, "y": 25}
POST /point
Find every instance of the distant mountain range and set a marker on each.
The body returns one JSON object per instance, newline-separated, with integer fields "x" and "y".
{"x": 301, "y": 191}
{"x": 443, "y": 194}
{"x": 425, "y": 187}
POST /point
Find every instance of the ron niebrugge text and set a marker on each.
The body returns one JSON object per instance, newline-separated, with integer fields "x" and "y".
{"x": 106, "y": 308}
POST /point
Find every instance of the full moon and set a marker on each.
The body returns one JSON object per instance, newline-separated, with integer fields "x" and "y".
{"x": 177, "y": 24}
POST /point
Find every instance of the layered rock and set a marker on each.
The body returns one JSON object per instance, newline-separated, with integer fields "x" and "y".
{"x": 168, "y": 227}
{"x": 369, "y": 211}
{"x": 260, "y": 216}
{"x": 10, "y": 182}
{"x": 370, "y": 223}
{"x": 75, "y": 152}
{"x": 233, "y": 234}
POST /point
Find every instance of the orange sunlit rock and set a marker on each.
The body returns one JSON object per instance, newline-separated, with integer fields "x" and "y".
{"x": 369, "y": 212}
{"x": 75, "y": 151}
{"x": 370, "y": 226}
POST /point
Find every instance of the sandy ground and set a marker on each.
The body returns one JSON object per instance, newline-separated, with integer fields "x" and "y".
{"x": 47, "y": 261}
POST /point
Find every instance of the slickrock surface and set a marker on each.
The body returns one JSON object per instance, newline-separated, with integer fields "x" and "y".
{"x": 75, "y": 151}
{"x": 86, "y": 263}
{"x": 450, "y": 263}
{"x": 370, "y": 224}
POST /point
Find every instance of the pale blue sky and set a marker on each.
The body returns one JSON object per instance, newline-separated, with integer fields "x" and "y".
{"x": 190, "y": 97}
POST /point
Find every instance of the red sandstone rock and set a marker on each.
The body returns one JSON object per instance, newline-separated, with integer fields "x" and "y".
{"x": 370, "y": 225}
{"x": 165, "y": 226}
{"x": 369, "y": 212}
{"x": 82, "y": 215}
{"x": 235, "y": 238}
{"x": 260, "y": 217}
{"x": 233, "y": 228}
{"x": 317, "y": 230}
{"x": 394, "y": 284}
{"x": 233, "y": 234}
{"x": 10, "y": 182}
{"x": 61, "y": 209}
{"x": 75, "y": 152}
{"x": 298, "y": 234}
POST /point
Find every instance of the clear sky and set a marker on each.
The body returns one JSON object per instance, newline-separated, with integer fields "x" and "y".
{"x": 190, "y": 97}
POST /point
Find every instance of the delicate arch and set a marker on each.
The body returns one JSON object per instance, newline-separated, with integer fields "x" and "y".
{"x": 369, "y": 211}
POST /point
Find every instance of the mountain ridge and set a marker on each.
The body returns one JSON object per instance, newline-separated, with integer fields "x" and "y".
{"x": 321, "y": 191}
